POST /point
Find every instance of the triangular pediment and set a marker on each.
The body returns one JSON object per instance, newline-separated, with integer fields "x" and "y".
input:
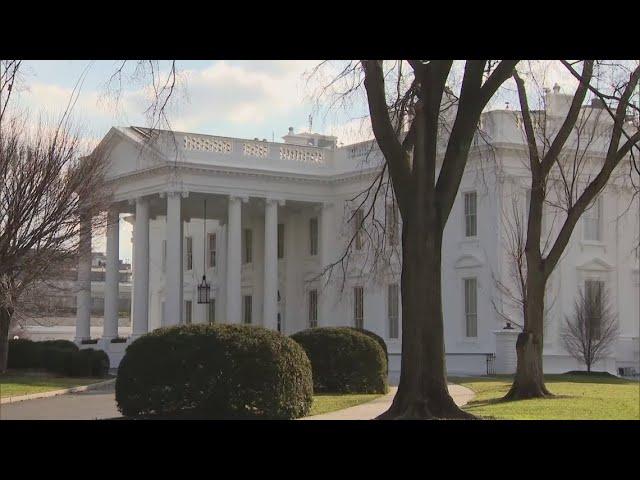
{"x": 126, "y": 154}
{"x": 596, "y": 264}
{"x": 468, "y": 260}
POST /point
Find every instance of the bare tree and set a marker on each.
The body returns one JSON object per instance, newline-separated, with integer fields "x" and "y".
{"x": 424, "y": 130}
{"x": 592, "y": 330}
{"x": 47, "y": 190}
{"x": 568, "y": 175}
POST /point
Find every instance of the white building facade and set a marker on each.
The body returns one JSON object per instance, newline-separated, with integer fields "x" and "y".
{"x": 278, "y": 213}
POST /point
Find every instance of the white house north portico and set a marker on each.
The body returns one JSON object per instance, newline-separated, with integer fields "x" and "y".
{"x": 278, "y": 213}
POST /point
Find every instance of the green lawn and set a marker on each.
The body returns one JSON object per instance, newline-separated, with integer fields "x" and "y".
{"x": 576, "y": 398}
{"x": 13, "y": 384}
{"x": 324, "y": 403}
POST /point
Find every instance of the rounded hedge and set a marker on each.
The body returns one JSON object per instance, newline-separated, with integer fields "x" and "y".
{"x": 89, "y": 363}
{"x": 377, "y": 338}
{"x": 344, "y": 360}
{"x": 215, "y": 371}
{"x": 58, "y": 356}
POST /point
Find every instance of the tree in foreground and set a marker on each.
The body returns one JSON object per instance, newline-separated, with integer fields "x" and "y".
{"x": 590, "y": 333}
{"x": 570, "y": 159}
{"x": 424, "y": 129}
{"x": 47, "y": 190}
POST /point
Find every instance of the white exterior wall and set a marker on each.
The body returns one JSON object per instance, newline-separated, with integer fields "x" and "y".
{"x": 332, "y": 176}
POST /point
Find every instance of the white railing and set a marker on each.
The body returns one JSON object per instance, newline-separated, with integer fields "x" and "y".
{"x": 255, "y": 149}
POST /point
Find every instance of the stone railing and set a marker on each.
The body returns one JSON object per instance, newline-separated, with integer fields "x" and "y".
{"x": 255, "y": 149}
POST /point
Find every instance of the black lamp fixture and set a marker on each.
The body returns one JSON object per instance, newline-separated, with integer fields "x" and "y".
{"x": 204, "y": 289}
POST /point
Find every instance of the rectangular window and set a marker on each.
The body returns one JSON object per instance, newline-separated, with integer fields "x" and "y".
{"x": 471, "y": 306}
{"x": 392, "y": 224}
{"x": 358, "y": 307}
{"x": 313, "y": 308}
{"x": 358, "y": 216}
{"x": 187, "y": 315}
{"x": 281, "y": 240}
{"x": 593, "y": 292}
{"x": 393, "y": 310}
{"x": 470, "y": 214}
{"x": 313, "y": 236}
{"x": 592, "y": 230}
{"x": 246, "y": 307}
{"x": 211, "y": 314}
{"x": 189, "y": 253}
{"x": 212, "y": 250}
{"x": 164, "y": 255}
{"x": 248, "y": 245}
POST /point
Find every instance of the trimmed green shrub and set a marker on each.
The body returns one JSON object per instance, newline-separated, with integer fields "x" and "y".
{"x": 344, "y": 360}
{"x": 215, "y": 371}
{"x": 57, "y": 356}
{"x": 100, "y": 363}
{"x": 377, "y": 338}
{"x": 60, "y": 345}
{"x": 24, "y": 353}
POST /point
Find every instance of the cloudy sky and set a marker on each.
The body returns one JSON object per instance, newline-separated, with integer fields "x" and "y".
{"x": 245, "y": 99}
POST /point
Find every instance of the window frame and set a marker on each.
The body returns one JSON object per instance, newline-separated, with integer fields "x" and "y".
{"x": 188, "y": 259}
{"x": 212, "y": 250}
{"x": 313, "y": 236}
{"x": 467, "y": 313}
{"x": 247, "y": 309}
{"x": 358, "y": 219}
{"x": 470, "y": 215}
{"x": 358, "y": 306}
{"x": 188, "y": 312}
{"x": 312, "y": 308}
{"x": 589, "y": 217}
{"x": 247, "y": 247}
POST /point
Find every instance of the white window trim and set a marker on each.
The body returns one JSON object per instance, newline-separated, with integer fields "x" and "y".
{"x": 213, "y": 250}
{"x": 464, "y": 214}
{"x": 355, "y": 316}
{"x": 465, "y": 335}
{"x": 599, "y": 207}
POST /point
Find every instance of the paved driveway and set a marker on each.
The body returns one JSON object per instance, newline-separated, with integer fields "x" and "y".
{"x": 89, "y": 405}
{"x": 101, "y": 403}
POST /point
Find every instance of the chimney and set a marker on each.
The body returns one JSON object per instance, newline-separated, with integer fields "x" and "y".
{"x": 556, "y": 88}
{"x": 597, "y": 103}
{"x": 290, "y": 130}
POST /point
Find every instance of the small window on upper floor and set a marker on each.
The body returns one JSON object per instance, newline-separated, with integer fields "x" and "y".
{"x": 470, "y": 214}
{"x": 592, "y": 221}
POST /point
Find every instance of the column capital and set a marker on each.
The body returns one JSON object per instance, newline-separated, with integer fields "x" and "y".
{"x": 271, "y": 201}
{"x": 235, "y": 198}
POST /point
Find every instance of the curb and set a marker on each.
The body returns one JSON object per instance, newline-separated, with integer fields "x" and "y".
{"x": 54, "y": 393}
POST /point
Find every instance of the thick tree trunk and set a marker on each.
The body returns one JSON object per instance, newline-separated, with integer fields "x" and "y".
{"x": 5, "y": 321}
{"x": 529, "y": 379}
{"x": 422, "y": 392}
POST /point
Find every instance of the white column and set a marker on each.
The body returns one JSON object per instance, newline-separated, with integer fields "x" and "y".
{"x": 270, "y": 301}
{"x": 112, "y": 276}
{"x": 234, "y": 261}
{"x": 327, "y": 233}
{"x": 83, "y": 296}
{"x": 141, "y": 269}
{"x": 174, "y": 270}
